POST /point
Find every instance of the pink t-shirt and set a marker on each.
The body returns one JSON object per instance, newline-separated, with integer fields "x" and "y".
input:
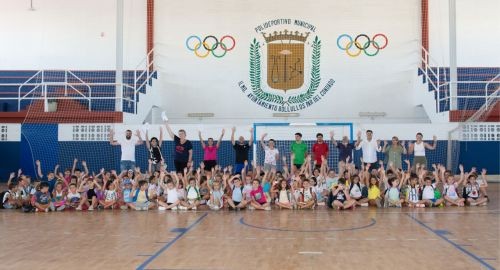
{"x": 210, "y": 152}
{"x": 258, "y": 195}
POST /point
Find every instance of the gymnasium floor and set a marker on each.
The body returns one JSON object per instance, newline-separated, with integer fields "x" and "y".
{"x": 437, "y": 238}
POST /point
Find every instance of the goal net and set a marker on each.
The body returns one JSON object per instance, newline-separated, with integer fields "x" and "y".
{"x": 284, "y": 135}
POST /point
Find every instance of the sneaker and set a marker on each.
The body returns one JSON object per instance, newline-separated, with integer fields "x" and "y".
{"x": 162, "y": 208}
{"x": 251, "y": 207}
{"x": 137, "y": 208}
{"x": 52, "y": 208}
{"x": 193, "y": 208}
{"x": 145, "y": 208}
{"x": 175, "y": 208}
{"x": 182, "y": 207}
{"x": 123, "y": 207}
{"x": 60, "y": 208}
{"x": 215, "y": 208}
{"x": 36, "y": 210}
{"x": 46, "y": 210}
{"x": 91, "y": 208}
{"x": 79, "y": 208}
{"x": 268, "y": 208}
{"x": 364, "y": 204}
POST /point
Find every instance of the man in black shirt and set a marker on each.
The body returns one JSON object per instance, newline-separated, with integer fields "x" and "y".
{"x": 241, "y": 148}
{"x": 345, "y": 148}
{"x": 183, "y": 151}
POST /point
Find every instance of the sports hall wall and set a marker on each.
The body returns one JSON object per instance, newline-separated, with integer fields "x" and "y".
{"x": 80, "y": 35}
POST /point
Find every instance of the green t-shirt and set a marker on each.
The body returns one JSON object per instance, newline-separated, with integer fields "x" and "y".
{"x": 299, "y": 150}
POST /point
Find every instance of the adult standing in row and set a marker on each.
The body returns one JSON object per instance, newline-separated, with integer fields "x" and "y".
{"x": 210, "y": 151}
{"x": 393, "y": 153}
{"x": 299, "y": 150}
{"x": 418, "y": 149}
{"x": 369, "y": 147}
{"x": 127, "y": 161}
{"x": 345, "y": 147}
{"x": 183, "y": 151}
{"x": 319, "y": 150}
{"x": 241, "y": 148}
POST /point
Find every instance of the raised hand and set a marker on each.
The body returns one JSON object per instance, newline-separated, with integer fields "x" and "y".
{"x": 102, "y": 170}
{"x": 483, "y": 171}
{"x": 434, "y": 138}
{"x": 37, "y": 163}
{"x": 233, "y": 129}
{"x": 358, "y": 134}
{"x": 12, "y": 175}
{"x": 84, "y": 163}
{"x": 332, "y": 133}
{"x": 461, "y": 167}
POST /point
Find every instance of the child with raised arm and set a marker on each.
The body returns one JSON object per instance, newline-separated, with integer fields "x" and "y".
{"x": 110, "y": 194}
{"x": 450, "y": 187}
{"x": 192, "y": 192}
{"x": 170, "y": 193}
{"x": 258, "y": 198}
{"x": 308, "y": 196}
{"x": 271, "y": 153}
{"x": 216, "y": 201}
{"x": 341, "y": 198}
{"x": 59, "y": 196}
{"x": 235, "y": 195}
{"x": 429, "y": 189}
{"x": 473, "y": 191}
{"x": 284, "y": 195}
{"x": 140, "y": 198}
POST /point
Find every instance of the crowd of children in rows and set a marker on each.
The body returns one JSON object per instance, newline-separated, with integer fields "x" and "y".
{"x": 309, "y": 187}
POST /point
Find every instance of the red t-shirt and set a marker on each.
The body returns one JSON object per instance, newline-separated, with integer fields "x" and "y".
{"x": 319, "y": 149}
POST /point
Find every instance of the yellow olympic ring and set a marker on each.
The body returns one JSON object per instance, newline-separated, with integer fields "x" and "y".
{"x": 197, "y": 46}
{"x": 357, "y": 47}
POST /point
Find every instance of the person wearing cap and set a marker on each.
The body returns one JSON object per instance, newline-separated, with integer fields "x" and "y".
{"x": 299, "y": 151}
{"x": 127, "y": 147}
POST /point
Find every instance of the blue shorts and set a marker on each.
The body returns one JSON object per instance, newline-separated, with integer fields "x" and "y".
{"x": 238, "y": 167}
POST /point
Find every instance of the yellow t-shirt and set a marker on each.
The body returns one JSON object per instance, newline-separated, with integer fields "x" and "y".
{"x": 373, "y": 192}
{"x": 141, "y": 197}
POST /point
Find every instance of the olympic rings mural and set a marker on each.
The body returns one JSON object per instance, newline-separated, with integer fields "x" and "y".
{"x": 210, "y": 45}
{"x": 362, "y": 43}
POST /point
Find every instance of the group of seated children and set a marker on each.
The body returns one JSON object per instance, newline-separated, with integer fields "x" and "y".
{"x": 309, "y": 187}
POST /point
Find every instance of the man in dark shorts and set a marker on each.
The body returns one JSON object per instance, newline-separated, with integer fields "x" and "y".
{"x": 241, "y": 148}
{"x": 183, "y": 150}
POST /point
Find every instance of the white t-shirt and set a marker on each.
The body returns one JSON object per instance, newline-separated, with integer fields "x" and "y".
{"x": 355, "y": 191}
{"x": 270, "y": 155}
{"x": 419, "y": 149}
{"x": 370, "y": 149}
{"x": 451, "y": 190}
{"x": 128, "y": 148}
{"x": 428, "y": 192}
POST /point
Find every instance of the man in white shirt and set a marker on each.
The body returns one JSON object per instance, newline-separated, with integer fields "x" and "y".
{"x": 127, "y": 144}
{"x": 370, "y": 147}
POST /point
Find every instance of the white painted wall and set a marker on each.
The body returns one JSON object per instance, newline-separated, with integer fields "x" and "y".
{"x": 478, "y": 29}
{"x": 377, "y": 84}
{"x": 69, "y": 34}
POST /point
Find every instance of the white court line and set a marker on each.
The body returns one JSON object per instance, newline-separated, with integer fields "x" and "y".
{"x": 311, "y": 252}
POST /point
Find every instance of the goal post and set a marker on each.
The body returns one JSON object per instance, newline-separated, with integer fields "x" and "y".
{"x": 284, "y": 135}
